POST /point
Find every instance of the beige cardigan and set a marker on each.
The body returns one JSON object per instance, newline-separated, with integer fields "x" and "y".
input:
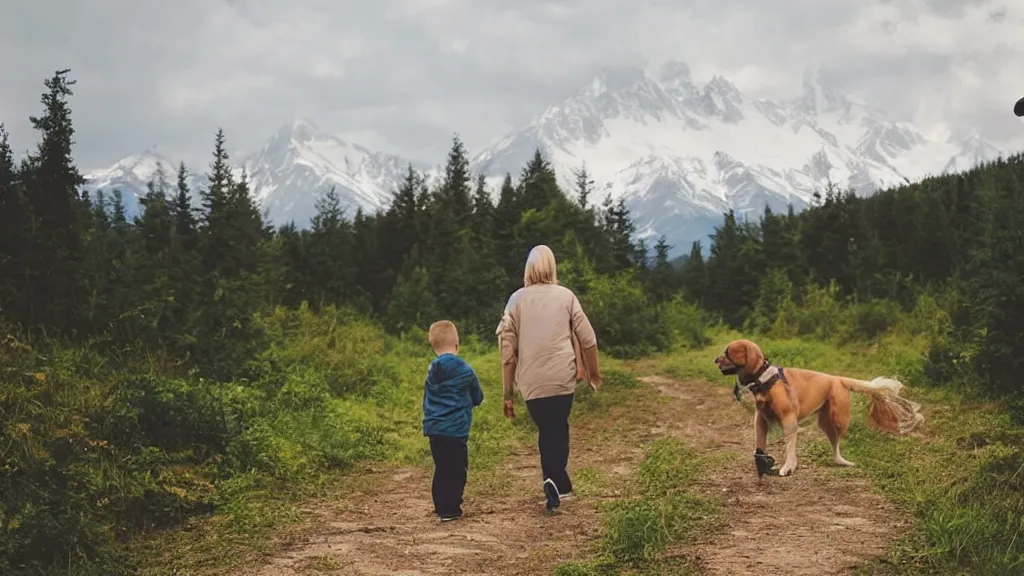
{"x": 544, "y": 331}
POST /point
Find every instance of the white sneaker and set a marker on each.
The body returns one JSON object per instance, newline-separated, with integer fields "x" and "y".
{"x": 551, "y": 491}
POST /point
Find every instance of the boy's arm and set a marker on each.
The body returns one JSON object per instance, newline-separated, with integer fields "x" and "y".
{"x": 475, "y": 391}
{"x": 430, "y": 379}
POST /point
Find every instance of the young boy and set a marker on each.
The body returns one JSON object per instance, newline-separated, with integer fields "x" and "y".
{"x": 450, "y": 393}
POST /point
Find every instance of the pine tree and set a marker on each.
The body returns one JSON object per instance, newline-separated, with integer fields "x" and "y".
{"x": 584, "y": 187}
{"x": 662, "y": 280}
{"x": 184, "y": 214}
{"x": 155, "y": 273}
{"x": 547, "y": 215}
{"x": 120, "y": 244}
{"x": 454, "y": 196}
{"x": 215, "y": 208}
{"x": 483, "y": 210}
{"x": 375, "y": 278}
{"x": 51, "y": 186}
{"x": 293, "y": 284}
{"x": 733, "y": 269}
{"x": 247, "y": 225}
{"x": 589, "y": 235}
{"x": 825, "y": 239}
{"x": 780, "y": 236}
{"x": 183, "y": 259}
{"x": 412, "y": 304}
{"x": 404, "y": 219}
{"x": 451, "y": 214}
{"x": 156, "y": 224}
{"x": 694, "y": 275}
{"x": 232, "y": 250}
{"x": 508, "y": 248}
{"x": 15, "y": 237}
{"x": 538, "y": 184}
{"x": 330, "y": 263}
{"x": 619, "y": 230}
{"x": 641, "y": 257}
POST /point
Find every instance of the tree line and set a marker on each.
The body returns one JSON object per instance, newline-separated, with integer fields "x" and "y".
{"x": 957, "y": 237}
{"x": 186, "y": 280}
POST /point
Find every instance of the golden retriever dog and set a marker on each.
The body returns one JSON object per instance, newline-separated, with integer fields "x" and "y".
{"x": 785, "y": 396}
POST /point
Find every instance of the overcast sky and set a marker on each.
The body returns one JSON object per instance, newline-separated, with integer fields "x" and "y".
{"x": 403, "y": 75}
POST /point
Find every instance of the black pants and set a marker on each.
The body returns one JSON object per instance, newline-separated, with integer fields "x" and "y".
{"x": 551, "y": 415}
{"x": 451, "y": 460}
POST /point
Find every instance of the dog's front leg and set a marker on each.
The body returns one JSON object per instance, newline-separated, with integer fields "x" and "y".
{"x": 760, "y": 431}
{"x": 789, "y": 430}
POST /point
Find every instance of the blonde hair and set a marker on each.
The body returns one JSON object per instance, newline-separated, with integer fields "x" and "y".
{"x": 443, "y": 334}
{"x": 540, "y": 267}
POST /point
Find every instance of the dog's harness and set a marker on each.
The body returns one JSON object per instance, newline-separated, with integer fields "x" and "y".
{"x": 765, "y": 378}
{"x": 761, "y": 381}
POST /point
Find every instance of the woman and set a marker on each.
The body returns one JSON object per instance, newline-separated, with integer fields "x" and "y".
{"x": 547, "y": 344}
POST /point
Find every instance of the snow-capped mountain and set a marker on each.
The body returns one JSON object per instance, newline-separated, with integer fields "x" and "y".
{"x": 288, "y": 173}
{"x": 972, "y": 151}
{"x": 679, "y": 152}
{"x": 682, "y": 153}
{"x": 299, "y": 163}
{"x": 132, "y": 175}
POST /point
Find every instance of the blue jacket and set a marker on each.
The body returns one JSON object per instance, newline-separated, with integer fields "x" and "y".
{"x": 450, "y": 393}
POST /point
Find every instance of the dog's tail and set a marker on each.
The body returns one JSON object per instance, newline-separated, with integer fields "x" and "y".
{"x": 887, "y": 410}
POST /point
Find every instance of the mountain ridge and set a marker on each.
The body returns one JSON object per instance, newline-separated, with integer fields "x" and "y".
{"x": 679, "y": 152}
{"x": 683, "y": 152}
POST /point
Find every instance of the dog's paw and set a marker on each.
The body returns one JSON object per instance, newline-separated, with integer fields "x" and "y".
{"x": 844, "y": 463}
{"x": 786, "y": 470}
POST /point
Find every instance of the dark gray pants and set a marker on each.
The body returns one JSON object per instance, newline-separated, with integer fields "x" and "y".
{"x": 451, "y": 461}
{"x": 551, "y": 415}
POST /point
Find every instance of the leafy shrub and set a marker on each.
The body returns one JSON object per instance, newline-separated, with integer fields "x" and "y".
{"x": 820, "y": 313}
{"x": 98, "y": 453}
{"x": 870, "y": 320}
{"x": 171, "y": 414}
{"x": 775, "y": 294}
{"x": 688, "y": 323}
{"x": 628, "y": 325}
{"x": 335, "y": 342}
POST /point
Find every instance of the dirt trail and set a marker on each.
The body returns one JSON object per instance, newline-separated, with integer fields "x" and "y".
{"x": 818, "y": 521}
{"x": 391, "y": 530}
{"x": 394, "y": 532}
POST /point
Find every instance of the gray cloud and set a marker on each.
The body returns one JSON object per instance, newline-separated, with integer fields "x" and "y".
{"x": 403, "y": 75}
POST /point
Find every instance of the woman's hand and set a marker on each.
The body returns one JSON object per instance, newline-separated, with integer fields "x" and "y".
{"x": 508, "y": 377}
{"x": 593, "y": 368}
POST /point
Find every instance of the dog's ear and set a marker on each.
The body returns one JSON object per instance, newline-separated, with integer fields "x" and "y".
{"x": 752, "y": 356}
{"x": 736, "y": 353}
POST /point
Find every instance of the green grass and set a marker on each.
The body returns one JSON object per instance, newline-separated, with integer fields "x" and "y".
{"x": 658, "y": 510}
{"x": 962, "y": 478}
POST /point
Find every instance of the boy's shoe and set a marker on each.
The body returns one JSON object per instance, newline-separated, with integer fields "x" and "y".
{"x": 567, "y": 496}
{"x": 551, "y": 491}
{"x": 450, "y": 517}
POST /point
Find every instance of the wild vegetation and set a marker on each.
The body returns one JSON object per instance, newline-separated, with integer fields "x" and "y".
{"x": 197, "y": 364}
